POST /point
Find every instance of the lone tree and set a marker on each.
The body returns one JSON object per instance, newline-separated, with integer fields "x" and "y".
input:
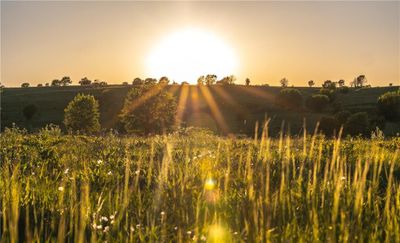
{"x": 247, "y": 81}
{"x": 201, "y": 80}
{"x": 137, "y": 81}
{"x": 56, "y": 82}
{"x": 311, "y": 83}
{"x": 29, "y": 111}
{"x": 148, "y": 109}
{"x": 359, "y": 81}
{"x": 210, "y": 79}
{"x": 228, "y": 80}
{"x": 341, "y": 82}
{"x": 66, "y": 81}
{"x": 82, "y": 114}
{"x": 284, "y": 82}
{"x": 25, "y": 85}
{"x": 85, "y": 81}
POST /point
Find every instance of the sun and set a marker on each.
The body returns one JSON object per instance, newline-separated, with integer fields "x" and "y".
{"x": 187, "y": 54}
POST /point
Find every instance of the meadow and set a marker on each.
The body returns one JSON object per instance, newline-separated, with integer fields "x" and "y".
{"x": 194, "y": 186}
{"x": 240, "y": 106}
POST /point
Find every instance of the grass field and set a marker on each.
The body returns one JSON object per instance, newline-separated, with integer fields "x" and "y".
{"x": 240, "y": 106}
{"x": 194, "y": 186}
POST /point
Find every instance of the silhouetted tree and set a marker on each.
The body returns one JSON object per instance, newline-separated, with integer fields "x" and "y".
{"x": 148, "y": 109}
{"x": 47, "y": 85}
{"x": 65, "y": 81}
{"x": 311, "y": 83}
{"x": 185, "y": 83}
{"x": 137, "y": 81}
{"x": 164, "y": 80}
{"x": 228, "y": 80}
{"x": 341, "y": 83}
{"x": 247, "y": 81}
{"x": 201, "y": 80}
{"x": 284, "y": 82}
{"x": 328, "y": 84}
{"x": 40, "y": 85}
{"x": 211, "y": 79}
{"x": 56, "y": 82}
{"x": 29, "y": 111}
{"x": 25, "y": 85}
{"x": 124, "y": 83}
{"x": 85, "y": 81}
{"x": 82, "y": 114}
{"x": 359, "y": 81}
{"x": 150, "y": 81}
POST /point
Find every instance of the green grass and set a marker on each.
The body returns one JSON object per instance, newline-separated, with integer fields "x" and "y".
{"x": 240, "y": 106}
{"x": 196, "y": 186}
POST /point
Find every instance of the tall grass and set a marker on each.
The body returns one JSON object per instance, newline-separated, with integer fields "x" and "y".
{"x": 198, "y": 187}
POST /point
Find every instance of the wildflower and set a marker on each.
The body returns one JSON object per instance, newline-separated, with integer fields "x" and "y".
{"x": 106, "y": 229}
{"x": 99, "y": 162}
{"x": 203, "y": 238}
{"x": 235, "y": 233}
{"x": 343, "y": 178}
{"x": 189, "y": 232}
{"x": 176, "y": 228}
{"x": 137, "y": 172}
{"x": 105, "y": 219}
{"x": 61, "y": 189}
{"x": 162, "y": 213}
{"x": 112, "y": 217}
{"x": 66, "y": 171}
{"x": 138, "y": 226}
{"x": 99, "y": 227}
{"x": 109, "y": 173}
{"x": 132, "y": 228}
{"x": 112, "y": 222}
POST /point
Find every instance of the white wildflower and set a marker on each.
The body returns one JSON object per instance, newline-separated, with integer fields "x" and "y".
{"x": 61, "y": 189}
{"x": 66, "y": 171}
{"x": 105, "y": 219}
{"x": 99, "y": 227}
{"x": 106, "y": 229}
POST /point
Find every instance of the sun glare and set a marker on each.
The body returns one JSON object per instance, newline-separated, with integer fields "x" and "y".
{"x": 190, "y": 53}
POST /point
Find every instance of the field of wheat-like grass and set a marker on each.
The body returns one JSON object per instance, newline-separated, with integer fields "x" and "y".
{"x": 198, "y": 187}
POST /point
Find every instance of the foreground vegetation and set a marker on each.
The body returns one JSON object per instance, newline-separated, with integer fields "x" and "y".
{"x": 192, "y": 185}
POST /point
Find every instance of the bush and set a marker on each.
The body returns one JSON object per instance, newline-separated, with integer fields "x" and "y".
{"x": 358, "y": 124}
{"x": 389, "y": 105}
{"x": 82, "y": 114}
{"x": 149, "y": 109}
{"x": 29, "y": 111}
{"x": 329, "y": 125}
{"x": 290, "y": 98}
{"x": 328, "y": 92}
{"x": 317, "y": 102}
{"x": 342, "y": 116}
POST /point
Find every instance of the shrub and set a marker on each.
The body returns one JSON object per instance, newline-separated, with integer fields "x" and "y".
{"x": 148, "y": 109}
{"x": 290, "y": 98}
{"x": 29, "y": 111}
{"x": 329, "y": 125}
{"x": 82, "y": 114}
{"x": 358, "y": 124}
{"x": 342, "y": 116}
{"x": 328, "y": 92}
{"x": 389, "y": 105}
{"x": 317, "y": 102}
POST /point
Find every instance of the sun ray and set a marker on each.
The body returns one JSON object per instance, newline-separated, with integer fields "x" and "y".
{"x": 214, "y": 108}
{"x": 156, "y": 89}
{"x": 257, "y": 92}
{"x": 183, "y": 95}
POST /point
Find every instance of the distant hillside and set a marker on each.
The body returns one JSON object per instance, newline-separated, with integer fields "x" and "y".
{"x": 239, "y": 106}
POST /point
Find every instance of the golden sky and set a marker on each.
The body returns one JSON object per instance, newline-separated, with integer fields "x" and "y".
{"x": 265, "y": 41}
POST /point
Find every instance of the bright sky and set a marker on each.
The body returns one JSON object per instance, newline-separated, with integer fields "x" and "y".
{"x": 265, "y": 41}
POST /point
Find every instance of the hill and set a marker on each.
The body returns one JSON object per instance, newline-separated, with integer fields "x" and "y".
{"x": 224, "y": 109}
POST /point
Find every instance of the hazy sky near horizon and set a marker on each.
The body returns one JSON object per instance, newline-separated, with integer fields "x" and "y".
{"x": 110, "y": 41}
